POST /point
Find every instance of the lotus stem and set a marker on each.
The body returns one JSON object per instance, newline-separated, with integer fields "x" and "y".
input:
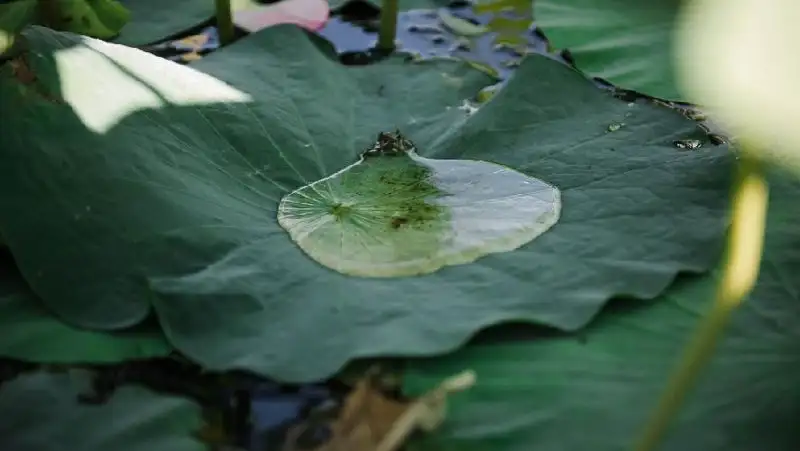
{"x": 388, "y": 27}
{"x": 225, "y": 21}
{"x": 740, "y": 272}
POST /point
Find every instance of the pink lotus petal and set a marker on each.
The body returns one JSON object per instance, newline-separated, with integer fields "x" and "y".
{"x": 309, "y": 14}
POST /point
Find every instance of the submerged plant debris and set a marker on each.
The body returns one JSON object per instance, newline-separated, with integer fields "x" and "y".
{"x": 395, "y": 213}
{"x": 370, "y": 420}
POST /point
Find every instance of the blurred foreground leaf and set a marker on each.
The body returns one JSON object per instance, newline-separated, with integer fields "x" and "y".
{"x": 626, "y": 42}
{"x": 47, "y": 416}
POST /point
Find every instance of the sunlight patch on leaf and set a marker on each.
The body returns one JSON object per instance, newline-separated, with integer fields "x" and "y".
{"x": 139, "y": 82}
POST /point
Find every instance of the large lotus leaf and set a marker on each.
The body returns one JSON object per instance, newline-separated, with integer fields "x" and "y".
{"x": 207, "y": 191}
{"x": 33, "y": 334}
{"x": 625, "y": 42}
{"x": 594, "y": 390}
{"x": 42, "y": 413}
{"x": 176, "y": 204}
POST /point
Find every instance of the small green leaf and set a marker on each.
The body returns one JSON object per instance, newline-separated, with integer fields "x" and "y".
{"x": 626, "y": 42}
{"x": 595, "y": 389}
{"x": 47, "y": 416}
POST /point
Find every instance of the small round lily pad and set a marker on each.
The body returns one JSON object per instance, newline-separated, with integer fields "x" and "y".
{"x": 394, "y": 213}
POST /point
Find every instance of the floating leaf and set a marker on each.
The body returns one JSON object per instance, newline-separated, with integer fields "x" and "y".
{"x": 603, "y": 382}
{"x": 169, "y": 195}
{"x": 48, "y": 417}
{"x": 626, "y": 42}
{"x": 31, "y": 333}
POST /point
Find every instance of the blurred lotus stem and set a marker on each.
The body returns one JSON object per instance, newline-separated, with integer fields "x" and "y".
{"x": 225, "y": 22}
{"x": 388, "y": 28}
{"x": 740, "y": 271}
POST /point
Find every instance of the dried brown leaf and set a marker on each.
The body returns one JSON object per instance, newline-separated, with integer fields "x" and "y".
{"x": 371, "y": 421}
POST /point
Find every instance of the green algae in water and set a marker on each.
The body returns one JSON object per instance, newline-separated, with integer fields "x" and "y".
{"x": 394, "y": 213}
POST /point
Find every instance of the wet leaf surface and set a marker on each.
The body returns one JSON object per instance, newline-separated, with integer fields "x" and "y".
{"x": 394, "y": 213}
